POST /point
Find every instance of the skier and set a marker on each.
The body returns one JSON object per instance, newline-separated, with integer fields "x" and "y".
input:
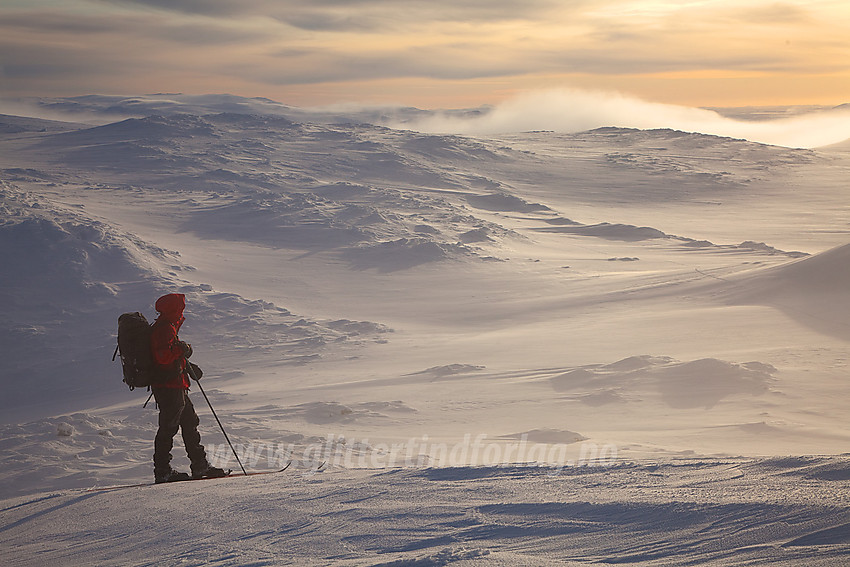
{"x": 172, "y": 396}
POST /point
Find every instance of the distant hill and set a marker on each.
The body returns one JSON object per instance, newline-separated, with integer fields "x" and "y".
{"x": 19, "y": 124}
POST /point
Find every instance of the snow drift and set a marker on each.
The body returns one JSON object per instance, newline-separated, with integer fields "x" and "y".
{"x": 812, "y": 291}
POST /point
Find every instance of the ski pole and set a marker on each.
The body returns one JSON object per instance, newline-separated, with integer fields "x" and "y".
{"x": 192, "y": 374}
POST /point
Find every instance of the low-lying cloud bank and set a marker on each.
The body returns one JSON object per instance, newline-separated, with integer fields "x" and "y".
{"x": 577, "y": 110}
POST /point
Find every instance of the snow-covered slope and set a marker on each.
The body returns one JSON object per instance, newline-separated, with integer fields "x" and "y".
{"x": 781, "y": 512}
{"x": 812, "y": 290}
{"x": 620, "y": 293}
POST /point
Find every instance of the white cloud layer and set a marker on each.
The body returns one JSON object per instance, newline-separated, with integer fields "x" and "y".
{"x": 572, "y": 110}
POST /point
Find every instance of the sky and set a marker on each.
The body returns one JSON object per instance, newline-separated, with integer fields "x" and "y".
{"x": 430, "y": 53}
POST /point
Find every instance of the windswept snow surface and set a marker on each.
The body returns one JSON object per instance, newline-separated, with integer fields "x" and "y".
{"x": 521, "y": 349}
{"x": 786, "y": 512}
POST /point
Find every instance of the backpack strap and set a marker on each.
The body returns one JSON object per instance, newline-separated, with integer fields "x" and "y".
{"x": 114, "y": 354}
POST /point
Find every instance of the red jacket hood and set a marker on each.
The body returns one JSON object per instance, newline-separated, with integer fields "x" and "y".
{"x": 171, "y": 307}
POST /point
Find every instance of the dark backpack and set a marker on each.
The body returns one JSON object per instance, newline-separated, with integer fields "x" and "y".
{"x": 134, "y": 346}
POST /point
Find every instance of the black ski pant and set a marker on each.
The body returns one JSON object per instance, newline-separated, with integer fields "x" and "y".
{"x": 176, "y": 412}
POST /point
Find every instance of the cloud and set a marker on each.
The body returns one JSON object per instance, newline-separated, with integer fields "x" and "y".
{"x": 283, "y": 48}
{"x": 197, "y": 7}
{"x": 571, "y": 110}
{"x": 772, "y": 14}
{"x": 358, "y": 15}
{"x": 92, "y": 28}
{"x": 443, "y": 62}
{"x": 41, "y": 21}
{"x": 39, "y": 60}
{"x": 50, "y": 53}
{"x": 611, "y": 60}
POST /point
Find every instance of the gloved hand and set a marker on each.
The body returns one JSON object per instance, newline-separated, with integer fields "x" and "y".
{"x": 196, "y": 372}
{"x": 187, "y": 348}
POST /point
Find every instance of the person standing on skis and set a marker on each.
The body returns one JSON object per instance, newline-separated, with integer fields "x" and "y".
{"x": 172, "y": 396}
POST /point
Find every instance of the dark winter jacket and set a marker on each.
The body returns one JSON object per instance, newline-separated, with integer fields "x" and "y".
{"x": 169, "y": 352}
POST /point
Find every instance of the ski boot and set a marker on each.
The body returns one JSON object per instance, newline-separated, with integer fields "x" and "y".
{"x": 208, "y": 471}
{"x": 170, "y": 475}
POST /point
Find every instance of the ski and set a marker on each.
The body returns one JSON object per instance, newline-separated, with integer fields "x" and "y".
{"x": 228, "y": 475}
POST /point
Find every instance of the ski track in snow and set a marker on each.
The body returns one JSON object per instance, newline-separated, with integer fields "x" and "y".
{"x": 376, "y": 297}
